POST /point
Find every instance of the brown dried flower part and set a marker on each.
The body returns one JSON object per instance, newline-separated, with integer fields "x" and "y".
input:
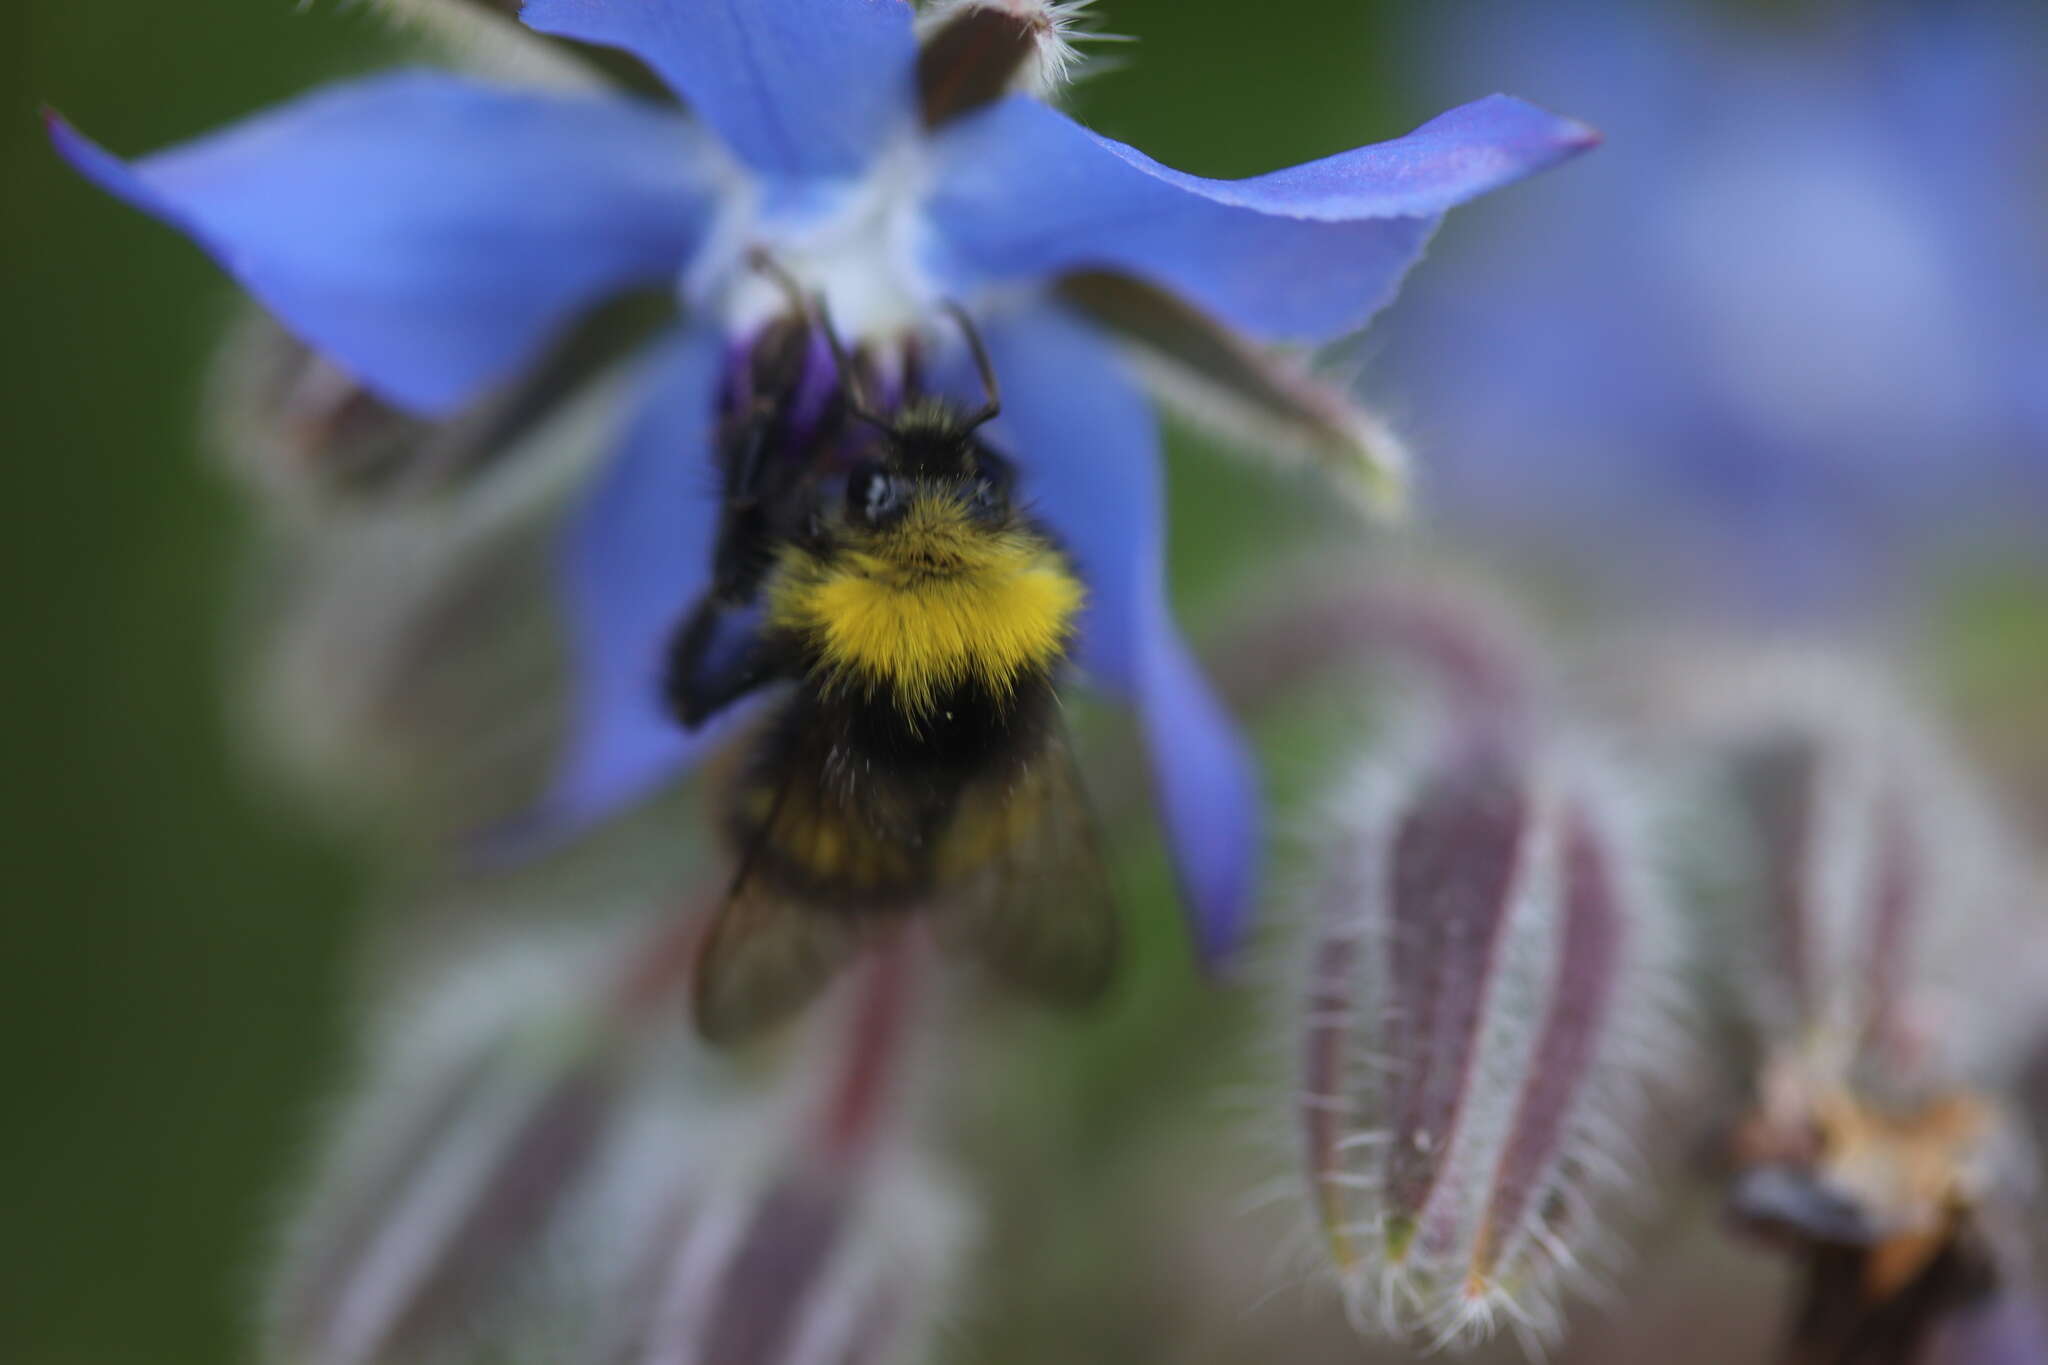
{"x": 1889, "y": 971}
{"x": 974, "y": 52}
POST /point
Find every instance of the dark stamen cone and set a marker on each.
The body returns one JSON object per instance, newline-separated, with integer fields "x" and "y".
{"x": 972, "y": 59}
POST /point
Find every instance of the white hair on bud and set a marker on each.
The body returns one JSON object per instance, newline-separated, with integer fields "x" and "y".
{"x": 1456, "y": 1275}
{"x": 1057, "y": 24}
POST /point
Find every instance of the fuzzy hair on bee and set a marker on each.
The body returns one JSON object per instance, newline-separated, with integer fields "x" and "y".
{"x": 932, "y": 592}
{"x": 917, "y": 763}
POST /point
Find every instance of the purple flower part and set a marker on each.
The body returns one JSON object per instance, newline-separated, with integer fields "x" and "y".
{"x": 1567, "y": 1040}
{"x": 1302, "y": 254}
{"x": 1088, "y": 452}
{"x": 777, "y": 1265}
{"x": 1457, "y": 857}
{"x": 818, "y": 1265}
{"x": 798, "y": 91}
{"x": 430, "y": 233}
{"x": 635, "y": 554}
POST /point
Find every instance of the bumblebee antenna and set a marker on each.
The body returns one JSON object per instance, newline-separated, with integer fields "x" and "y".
{"x": 856, "y": 404}
{"x": 812, "y": 309}
{"x": 760, "y": 259}
{"x": 992, "y": 393}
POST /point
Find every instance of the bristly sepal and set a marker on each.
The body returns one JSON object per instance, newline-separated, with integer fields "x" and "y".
{"x": 1255, "y": 398}
{"x": 1490, "y": 1001}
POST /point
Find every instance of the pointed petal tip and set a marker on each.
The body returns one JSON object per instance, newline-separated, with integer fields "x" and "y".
{"x": 1575, "y": 136}
{"x": 1539, "y": 127}
{"x": 337, "y": 211}
{"x": 97, "y": 164}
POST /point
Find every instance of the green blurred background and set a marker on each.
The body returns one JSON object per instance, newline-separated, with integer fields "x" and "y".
{"x": 179, "y": 940}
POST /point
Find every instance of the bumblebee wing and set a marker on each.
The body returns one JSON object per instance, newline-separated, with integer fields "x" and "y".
{"x": 764, "y": 958}
{"x": 1028, "y": 893}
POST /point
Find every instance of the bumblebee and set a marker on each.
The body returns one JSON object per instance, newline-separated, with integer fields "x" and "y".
{"x": 921, "y": 619}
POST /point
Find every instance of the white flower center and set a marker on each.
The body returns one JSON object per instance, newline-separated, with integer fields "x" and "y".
{"x": 855, "y": 244}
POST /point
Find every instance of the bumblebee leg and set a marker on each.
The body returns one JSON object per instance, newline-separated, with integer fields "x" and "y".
{"x": 719, "y": 656}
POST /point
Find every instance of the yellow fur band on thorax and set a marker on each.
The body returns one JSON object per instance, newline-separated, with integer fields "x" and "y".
{"x": 929, "y": 604}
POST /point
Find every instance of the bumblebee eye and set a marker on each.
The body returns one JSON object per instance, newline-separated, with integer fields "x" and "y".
{"x": 874, "y": 496}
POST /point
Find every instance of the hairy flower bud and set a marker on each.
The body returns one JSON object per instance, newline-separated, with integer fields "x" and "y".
{"x": 487, "y": 1101}
{"x": 803, "y": 1224}
{"x": 825, "y": 1264}
{"x": 1488, "y": 957}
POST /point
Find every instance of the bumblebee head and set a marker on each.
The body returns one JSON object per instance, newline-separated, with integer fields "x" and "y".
{"x": 929, "y": 468}
{"x": 929, "y": 474}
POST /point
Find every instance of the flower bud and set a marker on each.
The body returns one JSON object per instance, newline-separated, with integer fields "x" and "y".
{"x": 487, "y": 1101}
{"x": 803, "y": 1224}
{"x": 825, "y": 1264}
{"x": 405, "y": 666}
{"x": 1487, "y": 962}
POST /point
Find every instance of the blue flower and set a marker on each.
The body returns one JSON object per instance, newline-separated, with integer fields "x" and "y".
{"x": 1791, "y": 331}
{"x": 432, "y": 234}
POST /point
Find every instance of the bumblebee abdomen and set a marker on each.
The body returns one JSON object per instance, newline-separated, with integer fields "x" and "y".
{"x": 849, "y": 803}
{"x": 829, "y": 846}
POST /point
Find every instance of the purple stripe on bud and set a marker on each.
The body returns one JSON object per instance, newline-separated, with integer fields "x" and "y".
{"x": 1482, "y": 1007}
{"x": 823, "y": 1266}
{"x": 1456, "y": 855}
{"x": 1584, "y": 990}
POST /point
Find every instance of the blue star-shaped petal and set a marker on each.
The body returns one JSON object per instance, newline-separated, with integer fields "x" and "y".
{"x": 432, "y": 234}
